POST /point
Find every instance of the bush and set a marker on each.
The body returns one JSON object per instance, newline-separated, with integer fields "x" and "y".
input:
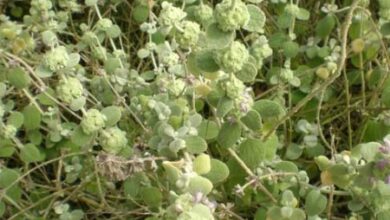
{"x": 194, "y": 109}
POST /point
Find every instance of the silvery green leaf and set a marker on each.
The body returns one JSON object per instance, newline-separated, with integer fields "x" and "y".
{"x": 143, "y": 53}
{"x": 310, "y": 140}
{"x": 114, "y": 31}
{"x": 256, "y": 20}
{"x": 49, "y": 38}
{"x": 78, "y": 104}
{"x": 90, "y": 2}
{"x": 216, "y": 38}
{"x": 295, "y": 81}
{"x": 74, "y": 59}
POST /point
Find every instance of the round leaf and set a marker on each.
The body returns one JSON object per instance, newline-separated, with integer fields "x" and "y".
{"x": 256, "y": 20}
{"x": 208, "y": 130}
{"x": 229, "y": 134}
{"x": 113, "y": 115}
{"x": 252, "y": 120}
{"x": 315, "y": 203}
{"x": 216, "y": 38}
{"x": 151, "y": 196}
{"x": 18, "y": 78}
{"x": 219, "y": 171}
{"x": 30, "y": 153}
{"x": 325, "y": 26}
{"x": 195, "y": 144}
{"x": 32, "y": 117}
{"x": 205, "y": 61}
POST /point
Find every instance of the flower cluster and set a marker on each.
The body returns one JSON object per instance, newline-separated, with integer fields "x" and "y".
{"x": 113, "y": 140}
{"x": 93, "y": 121}
{"x": 69, "y": 89}
{"x": 232, "y": 58}
{"x": 231, "y": 15}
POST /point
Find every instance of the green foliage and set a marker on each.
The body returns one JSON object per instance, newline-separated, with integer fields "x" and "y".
{"x": 195, "y": 110}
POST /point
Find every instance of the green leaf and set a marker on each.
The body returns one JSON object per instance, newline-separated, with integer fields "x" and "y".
{"x": 2, "y": 208}
{"x": 44, "y": 98}
{"x": 90, "y": 2}
{"x": 7, "y": 151}
{"x": 208, "y": 130}
{"x": 303, "y": 14}
{"x": 199, "y": 184}
{"x": 74, "y": 59}
{"x": 113, "y": 115}
{"x": 252, "y": 120}
{"x": 216, "y": 38}
{"x": 78, "y": 104}
{"x": 151, "y": 196}
{"x": 43, "y": 71}
{"x": 200, "y": 211}
{"x": 112, "y": 64}
{"x": 195, "y": 144}
{"x": 325, "y": 26}
{"x": 286, "y": 166}
{"x": 248, "y": 72}
{"x": 18, "y": 78}
{"x": 225, "y": 105}
{"x": 256, "y": 19}
{"x": 339, "y": 174}
{"x": 290, "y": 49}
{"x": 3, "y": 89}
{"x": 140, "y": 13}
{"x": 16, "y": 119}
{"x": 368, "y": 151}
{"x": 285, "y": 20}
{"x": 385, "y": 29}
{"x": 32, "y": 117}
{"x": 315, "y": 203}
{"x": 276, "y": 40}
{"x": 205, "y": 61}
{"x": 30, "y": 153}
{"x": 254, "y": 151}
{"x": 385, "y": 97}
{"x": 133, "y": 184}
{"x": 218, "y": 173}
{"x": 114, "y": 31}
{"x": 294, "y": 151}
{"x": 172, "y": 172}
{"x": 229, "y": 134}
{"x": 49, "y": 38}
{"x": 80, "y": 138}
{"x": 269, "y": 109}
{"x": 7, "y": 177}
{"x": 201, "y": 164}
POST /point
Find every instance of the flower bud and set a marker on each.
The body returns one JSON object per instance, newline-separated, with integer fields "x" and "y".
{"x": 113, "y": 140}
{"x": 231, "y": 15}
{"x": 93, "y": 121}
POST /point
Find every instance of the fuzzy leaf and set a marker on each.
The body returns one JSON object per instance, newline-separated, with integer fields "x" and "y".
{"x": 315, "y": 203}
{"x": 195, "y": 144}
{"x": 325, "y": 26}
{"x": 18, "y": 78}
{"x": 151, "y": 196}
{"x": 205, "y": 61}
{"x": 229, "y": 134}
{"x": 30, "y": 153}
{"x": 32, "y": 117}
{"x": 219, "y": 171}
{"x": 254, "y": 151}
{"x": 216, "y": 38}
{"x": 256, "y": 19}
{"x": 252, "y": 120}
{"x": 113, "y": 115}
{"x": 208, "y": 130}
